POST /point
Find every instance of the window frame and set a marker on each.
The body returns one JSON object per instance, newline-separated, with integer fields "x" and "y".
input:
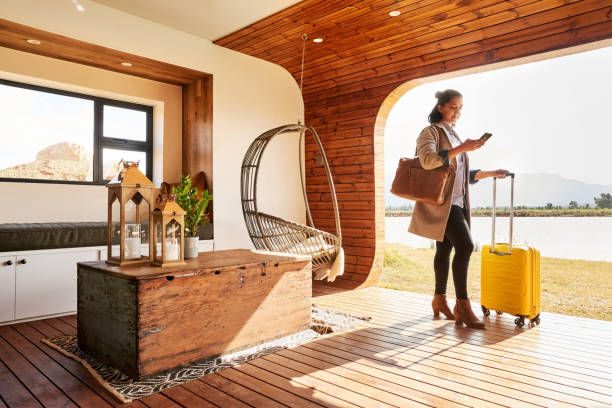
{"x": 100, "y": 142}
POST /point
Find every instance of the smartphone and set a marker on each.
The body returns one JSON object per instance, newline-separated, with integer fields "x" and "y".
{"x": 486, "y": 136}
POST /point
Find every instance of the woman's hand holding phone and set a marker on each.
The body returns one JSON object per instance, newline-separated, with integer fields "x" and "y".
{"x": 472, "y": 144}
{"x": 469, "y": 145}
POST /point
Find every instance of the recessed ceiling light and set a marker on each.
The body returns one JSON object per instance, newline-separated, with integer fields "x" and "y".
{"x": 33, "y": 42}
{"x": 78, "y": 6}
{"x": 318, "y": 40}
{"x": 126, "y": 64}
{"x": 395, "y": 13}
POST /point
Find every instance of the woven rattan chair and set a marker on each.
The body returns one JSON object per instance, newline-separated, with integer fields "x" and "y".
{"x": 275, "y": 234}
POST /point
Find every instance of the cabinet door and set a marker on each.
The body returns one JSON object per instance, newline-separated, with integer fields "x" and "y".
{"x": 47, "y": 283}
{"x": 7, "y": 288}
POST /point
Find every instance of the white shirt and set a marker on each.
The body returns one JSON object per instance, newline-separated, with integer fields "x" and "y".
{"x": 459, "y": 186}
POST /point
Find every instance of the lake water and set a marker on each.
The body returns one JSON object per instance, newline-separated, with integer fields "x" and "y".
{"x": 587, "y": 238}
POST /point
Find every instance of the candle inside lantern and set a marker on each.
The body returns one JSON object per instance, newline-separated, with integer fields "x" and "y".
{"x": 132, "y": 241}
{"x": 172, "y": 244}
{"x": 172, "y": 250}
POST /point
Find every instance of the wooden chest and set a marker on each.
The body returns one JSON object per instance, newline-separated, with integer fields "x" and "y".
{"x": 145, "y": 320}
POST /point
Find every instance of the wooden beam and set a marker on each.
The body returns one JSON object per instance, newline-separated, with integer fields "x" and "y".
{"x": 14, "y": 35}
{"x": 197, "y": 154}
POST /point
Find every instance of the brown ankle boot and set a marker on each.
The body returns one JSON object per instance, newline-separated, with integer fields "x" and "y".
{"x": 464, "y": 314}
{"x": 438, "y": 304}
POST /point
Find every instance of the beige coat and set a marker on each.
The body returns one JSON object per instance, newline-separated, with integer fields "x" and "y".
{"x": 429, "y": 220}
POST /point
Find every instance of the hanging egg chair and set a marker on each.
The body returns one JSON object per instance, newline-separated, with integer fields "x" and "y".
{"x": 275, "y": 234}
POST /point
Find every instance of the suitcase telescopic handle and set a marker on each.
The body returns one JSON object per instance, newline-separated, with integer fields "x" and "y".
{"x": 511, "y": 215}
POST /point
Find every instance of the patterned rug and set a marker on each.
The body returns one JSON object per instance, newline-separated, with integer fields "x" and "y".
{"x": 127, "y": 389}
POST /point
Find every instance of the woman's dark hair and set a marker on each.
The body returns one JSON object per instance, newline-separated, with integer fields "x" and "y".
{"x": 443, "y": 99}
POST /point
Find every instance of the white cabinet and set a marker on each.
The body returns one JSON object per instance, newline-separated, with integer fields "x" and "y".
{"x": 40, "y": 283}
{"x": 43, "y": 283}
{"x": 7, "y": 288}
{"x": 47, "y": 283}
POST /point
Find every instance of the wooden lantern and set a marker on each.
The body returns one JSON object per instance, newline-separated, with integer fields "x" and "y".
{"x": 128, "y": 222}
{"x": 167, "y": 233}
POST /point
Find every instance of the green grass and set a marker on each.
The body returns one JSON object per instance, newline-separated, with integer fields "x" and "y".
{"x": 572, "y": 287}
{"x": 529, "y": 212}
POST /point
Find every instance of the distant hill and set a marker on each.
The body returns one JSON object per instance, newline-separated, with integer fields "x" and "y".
{"x": 530, "y": 189}
{"x": 61, "y": 161}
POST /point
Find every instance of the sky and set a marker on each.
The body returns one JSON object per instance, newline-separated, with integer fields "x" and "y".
{"x": 31, "y": 121}
{"x": 550, "y": 116}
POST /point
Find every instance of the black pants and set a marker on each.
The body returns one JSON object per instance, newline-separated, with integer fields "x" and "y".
{"x": 457, "y": 235}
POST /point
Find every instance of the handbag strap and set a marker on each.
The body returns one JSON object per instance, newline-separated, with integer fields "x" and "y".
{"x": 438, "y": 132}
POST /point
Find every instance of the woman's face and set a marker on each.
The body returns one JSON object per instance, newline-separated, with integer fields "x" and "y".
{"x": 451, "y": 111}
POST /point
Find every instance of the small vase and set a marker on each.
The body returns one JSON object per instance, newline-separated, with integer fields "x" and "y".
{"x": 191, "y": 247}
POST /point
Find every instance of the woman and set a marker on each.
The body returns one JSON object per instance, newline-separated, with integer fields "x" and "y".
{"x": 449, "y": 223}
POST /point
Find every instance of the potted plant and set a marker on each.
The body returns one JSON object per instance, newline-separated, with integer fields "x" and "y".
{"x": 194, "y": 203}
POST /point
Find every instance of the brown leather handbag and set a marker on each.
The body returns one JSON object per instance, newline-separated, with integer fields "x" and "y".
{"x": 413, "y": 182}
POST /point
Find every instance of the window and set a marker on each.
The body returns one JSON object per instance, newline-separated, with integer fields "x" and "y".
{"x": 53, "y": 136}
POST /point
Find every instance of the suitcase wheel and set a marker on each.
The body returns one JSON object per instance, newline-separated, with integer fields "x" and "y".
{"x": 486, "y": 312}
{"x": 499, "y": 312}
{"x": 535, "y": 320}
{"x": 519, "y": 321}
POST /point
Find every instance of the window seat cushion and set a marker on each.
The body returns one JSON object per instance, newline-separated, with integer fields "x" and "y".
{"x": 33, "y": 236}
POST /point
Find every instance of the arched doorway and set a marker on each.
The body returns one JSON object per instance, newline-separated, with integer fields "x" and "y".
{"x": 381, "y": 121}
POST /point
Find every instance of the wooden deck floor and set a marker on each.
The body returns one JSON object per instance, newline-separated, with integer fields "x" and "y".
{"x": 401, "y": 358}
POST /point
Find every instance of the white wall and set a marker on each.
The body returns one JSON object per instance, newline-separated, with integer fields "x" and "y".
{"x": 59, "y": 199}
{"x": 249, "y": 97}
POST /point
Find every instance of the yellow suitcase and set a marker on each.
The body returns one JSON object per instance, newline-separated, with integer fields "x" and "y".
{"x": 510, "y": 275}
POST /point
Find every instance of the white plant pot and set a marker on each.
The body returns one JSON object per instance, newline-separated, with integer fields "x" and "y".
{"x": 191, "y": 247}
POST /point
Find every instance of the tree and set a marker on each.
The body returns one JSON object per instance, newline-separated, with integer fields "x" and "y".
{"x": 604, "y": 201}
{"x": 573, "y": 204}
{"x": 549, "y": 206}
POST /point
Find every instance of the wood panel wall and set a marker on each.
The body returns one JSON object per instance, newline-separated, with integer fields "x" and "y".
{"x": 366, "y": 55}
{"x": 196, "y": 85}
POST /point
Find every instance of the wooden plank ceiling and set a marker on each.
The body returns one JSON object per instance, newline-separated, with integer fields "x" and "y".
{"x": 366, "y": 54}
